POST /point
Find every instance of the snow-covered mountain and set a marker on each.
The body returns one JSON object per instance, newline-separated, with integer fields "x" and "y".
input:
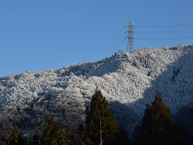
{"x": 129, "y": 81}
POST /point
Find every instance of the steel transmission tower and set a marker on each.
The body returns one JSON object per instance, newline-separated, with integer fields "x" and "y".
{"x": 130, "y": 35}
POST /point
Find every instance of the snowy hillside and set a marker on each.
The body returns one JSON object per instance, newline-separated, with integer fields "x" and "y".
{"x": 129, "y": 81}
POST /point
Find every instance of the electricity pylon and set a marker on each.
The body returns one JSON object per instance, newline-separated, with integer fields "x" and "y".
{"x": 130, "y": 35}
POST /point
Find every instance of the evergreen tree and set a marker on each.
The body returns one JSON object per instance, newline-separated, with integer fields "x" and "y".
{"x": 83, "y": 138}
{"x": 52, "y": 134}
{"x": 16, "y": 138}
{"x": 101, "y": 125}
{"x": 158, "y": 128}
{"x": 2, "y": 142}
{"x": 121, "y": 138}
{"x": 36, "y": 140}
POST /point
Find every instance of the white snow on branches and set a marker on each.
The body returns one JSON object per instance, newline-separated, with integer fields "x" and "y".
{"x": 129, "y": 81}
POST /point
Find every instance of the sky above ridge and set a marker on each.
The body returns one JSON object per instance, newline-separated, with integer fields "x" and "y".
{"x": 50, "y": 34}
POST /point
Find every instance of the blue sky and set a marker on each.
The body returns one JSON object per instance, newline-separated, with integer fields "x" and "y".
{"x": 50, "y": 34}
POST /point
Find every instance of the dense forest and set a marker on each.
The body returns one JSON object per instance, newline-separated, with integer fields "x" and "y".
{"x": 157, "y": 127}
{"x": 129, "y": 81}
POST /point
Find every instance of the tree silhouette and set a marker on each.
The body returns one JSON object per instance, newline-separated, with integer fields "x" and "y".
{"x": 2, "y": 142}
{"x": 101, "y": 125}
{"x": 83, "y": 138}
{"x": 121, "y": 138}
{"x": 35, "y": 141}
{"x": 52, "y": 134}
{"x": 16, "y": 138}
{"x": 158, "y": 128}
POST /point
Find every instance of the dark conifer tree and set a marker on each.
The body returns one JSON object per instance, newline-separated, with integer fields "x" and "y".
{"x": 83, "y": 138}
{"x": 101, "y": 125}
{"x": 36, "y": 140}
{"x": 121, "y": 138}
{"x": 16, "y": 138}
{"x": 52, "y": 134}
{"x": 158, "y": 128}
{"x": 2, "y": 142}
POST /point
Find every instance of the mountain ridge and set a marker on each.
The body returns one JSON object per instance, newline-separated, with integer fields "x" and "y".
{"x": 129, "y": 81}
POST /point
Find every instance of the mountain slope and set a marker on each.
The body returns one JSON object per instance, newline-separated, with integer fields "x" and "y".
{"x": 128, "y": 80}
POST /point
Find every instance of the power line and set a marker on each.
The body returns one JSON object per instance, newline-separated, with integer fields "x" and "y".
{"x": 91, "y": 72}
{"x": 166, "y": 32}
{"x": 118, "y": 45}
{"x": 131, "y": 38}
{"x": 114, "y": 46}
{"x": 108, "y": 45}
{"x": 181, "y": 32}
{"x": 122, "y": 45}
{"x": 164, "y": 26}
{"x": 166, "y": 38}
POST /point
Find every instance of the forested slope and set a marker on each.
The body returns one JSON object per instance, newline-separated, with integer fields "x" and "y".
{"x": 129, "y": 81}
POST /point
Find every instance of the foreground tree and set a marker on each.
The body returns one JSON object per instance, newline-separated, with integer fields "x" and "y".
{"x": 101, "y": 125}
{"x": 53, "y": 135}
{"x": 2, "y": 142}
{"x": 158, "y": 128}
{"x": 121, "y": 138}
{"x": 16, "y": 138}
{"x": 35, "y": 141}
